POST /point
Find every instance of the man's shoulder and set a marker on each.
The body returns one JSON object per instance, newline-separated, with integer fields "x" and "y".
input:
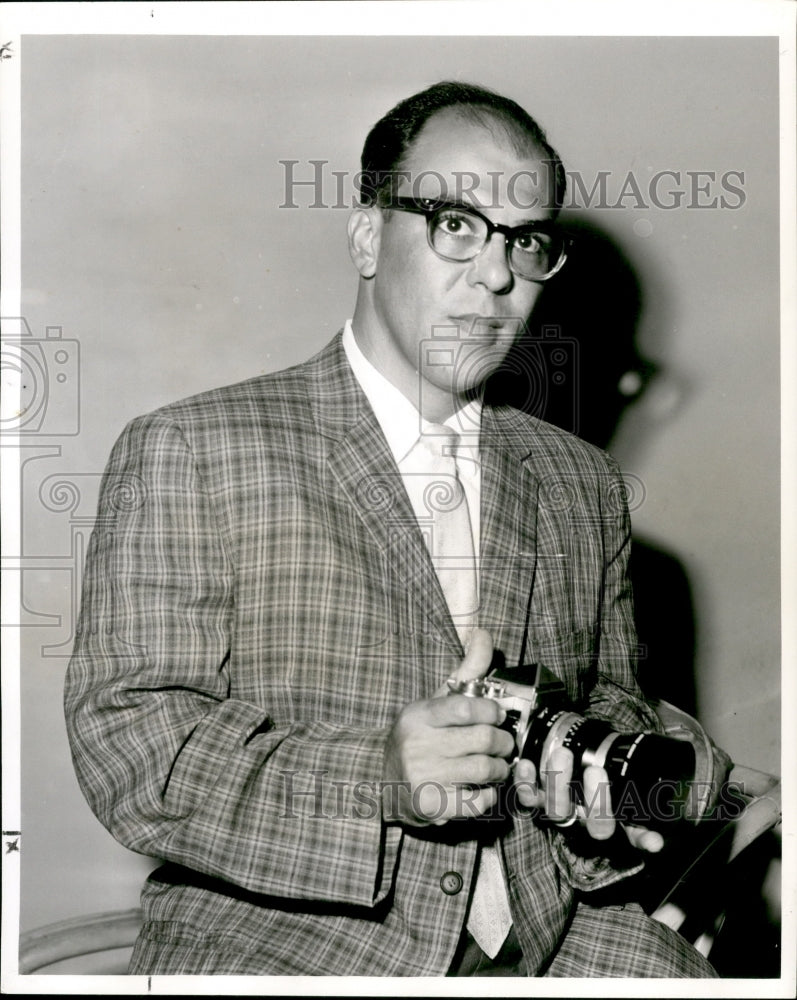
{"x": 278, "y": 387}
{"x": 280, "y": 397}
{"x": 543, "y": 442}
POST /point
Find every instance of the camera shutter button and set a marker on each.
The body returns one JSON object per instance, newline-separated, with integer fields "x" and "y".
{"x": 451, "y": 883}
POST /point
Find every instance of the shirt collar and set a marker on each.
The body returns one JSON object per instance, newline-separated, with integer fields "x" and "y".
{"x": 400, "y": 421}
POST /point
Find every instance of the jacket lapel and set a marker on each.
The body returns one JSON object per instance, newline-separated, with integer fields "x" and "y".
{"x": 359, "y": 464}
{"x": 514, "y": 542}
{"x": 509, "y": 490}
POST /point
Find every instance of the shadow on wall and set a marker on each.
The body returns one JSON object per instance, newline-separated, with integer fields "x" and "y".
{"x": 578, "y": 366}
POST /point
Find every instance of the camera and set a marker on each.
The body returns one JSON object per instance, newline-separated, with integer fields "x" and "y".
{"x": 650, "y": 775}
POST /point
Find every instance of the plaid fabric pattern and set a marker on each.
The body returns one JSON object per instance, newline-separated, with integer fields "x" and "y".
{"x": 640, "y": 947}
{"x": 258, "y": 606}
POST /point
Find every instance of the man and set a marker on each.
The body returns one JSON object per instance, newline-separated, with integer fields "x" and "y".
{"x": 257, "y": 694}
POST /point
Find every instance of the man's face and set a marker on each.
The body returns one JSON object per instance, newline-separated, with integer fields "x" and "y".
{"x": 442, "y": 326}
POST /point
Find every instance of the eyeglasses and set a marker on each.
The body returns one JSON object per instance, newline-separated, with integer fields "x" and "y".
{"x": 535, "y": 251}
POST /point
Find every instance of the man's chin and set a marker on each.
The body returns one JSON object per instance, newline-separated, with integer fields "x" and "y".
{"x": 475, "y": 367}
{"x": 451, "y": 394}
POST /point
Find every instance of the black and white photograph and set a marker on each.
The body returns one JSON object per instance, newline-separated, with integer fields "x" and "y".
{"x": 398, "y": 498}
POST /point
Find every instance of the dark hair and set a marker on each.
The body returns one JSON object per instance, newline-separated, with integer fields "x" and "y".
{"x": 389, "y": 141}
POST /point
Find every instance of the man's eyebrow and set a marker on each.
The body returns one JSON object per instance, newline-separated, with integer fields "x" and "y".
{"x": 466, "y": 206}
{"x": 537, "y": 224}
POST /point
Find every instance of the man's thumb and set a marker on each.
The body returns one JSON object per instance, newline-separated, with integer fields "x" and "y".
{"x": 478, "y": 657}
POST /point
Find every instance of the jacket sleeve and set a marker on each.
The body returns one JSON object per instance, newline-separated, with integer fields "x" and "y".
{"x": 172, "y": 764}
{"x": 615, "y": 695}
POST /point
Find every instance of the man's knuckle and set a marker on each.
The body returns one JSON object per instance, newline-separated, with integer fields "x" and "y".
{"x": 481, "y": 770}
{"x": 483, "y": 738}
{"x": 462, "y": 709}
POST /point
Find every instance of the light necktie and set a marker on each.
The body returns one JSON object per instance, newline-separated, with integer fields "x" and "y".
{"x": 431, "y": 475}
{"x": 438, "y": 498}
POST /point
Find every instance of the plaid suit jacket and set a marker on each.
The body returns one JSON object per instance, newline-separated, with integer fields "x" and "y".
{"x": 258, "y": 606}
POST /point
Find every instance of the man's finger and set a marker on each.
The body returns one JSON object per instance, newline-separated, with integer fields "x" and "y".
{"x": 461, "y": 710}
{"x": 597, "y": 803}
{"x": 477, "y": 769}
{"x": 452, "y": 742}
{"x": 650, "y": 841}
{"x": 556, "y": 779}
{"x": 527, "y": 788}
{"x": 465, "y": 803}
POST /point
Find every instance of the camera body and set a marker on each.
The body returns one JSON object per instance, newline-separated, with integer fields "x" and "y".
{"x": 649, "y": 775}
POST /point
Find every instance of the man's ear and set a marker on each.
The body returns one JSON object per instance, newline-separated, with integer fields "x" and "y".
{"x": 365, "y": 227}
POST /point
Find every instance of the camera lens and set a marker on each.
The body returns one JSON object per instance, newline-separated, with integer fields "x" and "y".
{"x": 649, "y": 777}
{"x": 648, "y": 774}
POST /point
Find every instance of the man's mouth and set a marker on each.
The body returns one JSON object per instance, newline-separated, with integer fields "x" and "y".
{"x": 473, "y": 322}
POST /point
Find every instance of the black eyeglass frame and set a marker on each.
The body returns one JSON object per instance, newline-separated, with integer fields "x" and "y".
{"x": 429, "y": 207}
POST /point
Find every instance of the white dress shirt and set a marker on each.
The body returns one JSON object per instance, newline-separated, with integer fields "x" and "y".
{"x": 402, "y": 425}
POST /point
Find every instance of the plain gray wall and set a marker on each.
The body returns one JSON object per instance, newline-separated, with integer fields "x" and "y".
{"x": 151, "y": 234}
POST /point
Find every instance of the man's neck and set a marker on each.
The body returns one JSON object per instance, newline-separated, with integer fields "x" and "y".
{"x": 432, "y": 402}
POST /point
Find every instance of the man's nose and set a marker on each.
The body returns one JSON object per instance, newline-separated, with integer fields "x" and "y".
{"x": 491, "y": 267}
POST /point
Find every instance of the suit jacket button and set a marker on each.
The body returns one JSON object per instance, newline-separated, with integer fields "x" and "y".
{"x": 451, "y": 883}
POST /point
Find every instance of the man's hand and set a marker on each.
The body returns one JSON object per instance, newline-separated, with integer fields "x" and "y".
{"x": 552, "y": 795}
{"x": 446, "y": 756}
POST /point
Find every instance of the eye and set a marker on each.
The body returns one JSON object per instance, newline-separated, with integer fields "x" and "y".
{"x": 453, "y": 222}
{"x": 532, "y": 242}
